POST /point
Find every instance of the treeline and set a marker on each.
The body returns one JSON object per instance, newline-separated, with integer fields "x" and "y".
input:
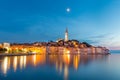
{"x": 3, "y": 50}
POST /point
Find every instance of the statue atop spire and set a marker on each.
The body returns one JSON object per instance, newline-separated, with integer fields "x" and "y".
{"x": 66, "y": 35}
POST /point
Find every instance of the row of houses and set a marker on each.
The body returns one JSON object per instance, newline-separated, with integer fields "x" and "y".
{"x": 71, "y": 50}
{"x": 25, "y": 48}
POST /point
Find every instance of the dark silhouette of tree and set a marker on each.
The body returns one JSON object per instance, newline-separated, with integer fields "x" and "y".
{"x": 3, "y": 49}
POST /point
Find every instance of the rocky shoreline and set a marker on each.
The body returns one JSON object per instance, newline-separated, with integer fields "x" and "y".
{"x": 25, "y": 54}
{"x": 16, "y": 54}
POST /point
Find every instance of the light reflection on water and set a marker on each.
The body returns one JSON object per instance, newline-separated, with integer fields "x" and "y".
{"x": 4, "y": 65}
{"x": 58, "y": 64}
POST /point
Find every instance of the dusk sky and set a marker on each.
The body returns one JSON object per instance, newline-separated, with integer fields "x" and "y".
{"x": 94, "y": 21}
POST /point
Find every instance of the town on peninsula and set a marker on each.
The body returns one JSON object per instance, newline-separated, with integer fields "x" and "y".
{"x": 61, "y": 46}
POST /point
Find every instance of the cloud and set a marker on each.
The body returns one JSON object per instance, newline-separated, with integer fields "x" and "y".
{"x": 107, "y": 40}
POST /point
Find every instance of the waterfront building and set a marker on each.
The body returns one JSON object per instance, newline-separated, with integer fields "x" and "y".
{"x": 6, "y": 46}
{"x": 0, "y": 45}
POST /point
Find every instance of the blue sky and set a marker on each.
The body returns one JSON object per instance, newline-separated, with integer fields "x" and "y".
{"x": 94, "y": 21}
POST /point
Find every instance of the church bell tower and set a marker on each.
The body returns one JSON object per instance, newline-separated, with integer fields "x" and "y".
{"x": 66, "y": 35}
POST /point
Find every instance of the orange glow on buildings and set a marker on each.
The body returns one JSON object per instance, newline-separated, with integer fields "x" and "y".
{"x": 27, "y": 49}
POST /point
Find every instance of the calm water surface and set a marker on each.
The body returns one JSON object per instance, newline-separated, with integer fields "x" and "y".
{"x": 60, "y": 67}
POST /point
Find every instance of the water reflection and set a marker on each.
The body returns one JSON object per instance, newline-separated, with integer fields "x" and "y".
{"x": 15, "y": 63}
{"x": 4, "y": 65}
{"x": 66, "y": 72}
{"x": 22, "y": 61}
{"x": 76, "y": 60}
{"x": 62, "y": 63}
{"x": 34, "y": 60}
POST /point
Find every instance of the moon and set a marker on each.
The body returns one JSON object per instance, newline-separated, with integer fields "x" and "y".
{"x": 68, "y": 9}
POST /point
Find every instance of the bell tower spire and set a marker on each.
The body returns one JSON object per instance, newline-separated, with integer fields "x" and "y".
{"x": 66, "y": 35}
